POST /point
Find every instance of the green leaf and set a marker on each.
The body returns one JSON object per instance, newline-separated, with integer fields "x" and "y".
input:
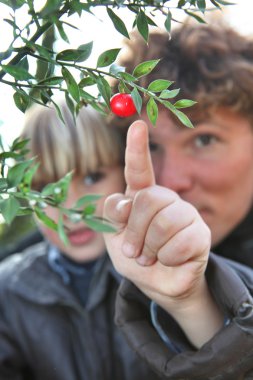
{"x": 16, "y": 173}
{"x": 184, "y": 103}
{"x": 43, "y": 51}
{"x": 152, "y": 111}
{"x": 137, "y": 99}
{"x": 159, "y": 85}
{"x": 18, "y": 73}
{"x": 21, "y": 100}
{"x": 76, "y": 55}
{"x": 14, "y": 4}
{"x": 24, "y": 211}
{"x": 1, "y": 140}
{"x": 104, "y": 89}
{"x": 180, "y": 115}
{"x": 100, "y": 107}
{"x": 145, "y": 68}
{"x": 150, "y": 21}
{"x": 68, "y": 55}
{"x": 167, "y": 94}
{"x": 58, "y": 190}
{"x": 116, "y": 69}
{"x": 142, "y": 25}
{"x": 9, "y": 209}
{"x": 86, "y": 96}
{"x": 61, "y": 30}
{"x": 85, "y": 82}
{"x": 48, "y": 189}
{"x": 183, "y": 118}
{"x": 193, "y": 15}
{"x": 5, "y": 54}
{"x": 27, "y": 179}
{"x": 23, "y": 64}
{"x": 51, "y": 81}
{"x": 167, "y": 22}
{"x": 85, "y": 51}
{"x": 107, "y": 57}
{"x": 128, "y": 77}
{"x": 61, "y": 230}
{"x": 45, "y": 219}
{"x": 181, "y": 3}
{"x": 89, "y": 210}
{"x": 19, "y": 144}
{"x": 168, "y": 105}
{"x": 98, "y": 225}
{"x": 201, "y": 5}
{"x": 118, "y": 23}
{"x": 71, "y": 105}
{"x": 87, "y": 199}
{"x": 5, "y": 155}
{"x": 72, "y": 86}
{"x": 51, "y": 6}
{"x": 123, "y": 88}
{"x": 215, "y": 4}
{"x": 3, "y": 184}
{"x": 58, "y": 110}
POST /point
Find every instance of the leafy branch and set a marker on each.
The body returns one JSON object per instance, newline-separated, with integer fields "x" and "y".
{"x": 51, "y": 16}
{"x": 65, "y": 72}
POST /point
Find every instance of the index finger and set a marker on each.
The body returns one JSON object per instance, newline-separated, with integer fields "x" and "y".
{"x": 139, "y": 172}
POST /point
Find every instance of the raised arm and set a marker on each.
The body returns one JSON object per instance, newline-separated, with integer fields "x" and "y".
{"x": 161, "y": 244}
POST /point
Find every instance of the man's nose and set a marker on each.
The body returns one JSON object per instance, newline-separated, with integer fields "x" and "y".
{"x": 175, "y": 173}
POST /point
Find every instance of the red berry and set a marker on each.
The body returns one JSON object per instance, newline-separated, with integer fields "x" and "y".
{"x": 122, "y": 105}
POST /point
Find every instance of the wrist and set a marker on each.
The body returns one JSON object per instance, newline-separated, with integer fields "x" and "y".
{"x": 197, "y": 314}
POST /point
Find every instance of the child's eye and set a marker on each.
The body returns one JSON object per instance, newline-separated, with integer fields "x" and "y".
{"x": 204, "y": 140}
{"x": 92, "y": 178}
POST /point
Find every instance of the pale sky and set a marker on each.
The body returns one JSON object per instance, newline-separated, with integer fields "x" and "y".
{"x": 104, "y": 36}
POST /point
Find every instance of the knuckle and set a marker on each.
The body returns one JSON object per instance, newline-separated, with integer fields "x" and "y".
{"x": 143, "y": 198}
{"x": 149, "y": 250}
{"x": 160, "y": 226}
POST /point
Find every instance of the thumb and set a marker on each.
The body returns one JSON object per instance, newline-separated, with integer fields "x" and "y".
{"x": 139, "y": 172}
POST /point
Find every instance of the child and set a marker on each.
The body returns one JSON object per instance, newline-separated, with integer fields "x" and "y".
{"x": 57, "y": 301}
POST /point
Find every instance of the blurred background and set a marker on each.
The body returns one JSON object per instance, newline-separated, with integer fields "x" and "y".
{"x": 99, "y": 29}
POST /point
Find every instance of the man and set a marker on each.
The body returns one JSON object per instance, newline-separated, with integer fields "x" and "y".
{"x": 198, "y": 178}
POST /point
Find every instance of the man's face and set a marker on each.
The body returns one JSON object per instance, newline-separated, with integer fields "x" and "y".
{"x": 210, "y": 166}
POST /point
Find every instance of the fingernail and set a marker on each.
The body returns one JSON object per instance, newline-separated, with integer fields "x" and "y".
{"x": 128, "y": 250}
{"x": 123, "y": 203}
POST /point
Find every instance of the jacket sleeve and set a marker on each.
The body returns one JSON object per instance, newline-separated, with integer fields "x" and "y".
{"x": 227, "y": 356}
{"x": 11, "y": 367}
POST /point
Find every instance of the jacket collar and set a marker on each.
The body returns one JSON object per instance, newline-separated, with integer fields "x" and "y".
{"x": 33, "y": 269}
{"x": 238, "y": 246}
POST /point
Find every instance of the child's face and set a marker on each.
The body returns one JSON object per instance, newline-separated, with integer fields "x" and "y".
{"x": 85, "y": 244}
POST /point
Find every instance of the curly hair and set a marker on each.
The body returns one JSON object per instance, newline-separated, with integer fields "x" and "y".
{"x": 211, "y": 64}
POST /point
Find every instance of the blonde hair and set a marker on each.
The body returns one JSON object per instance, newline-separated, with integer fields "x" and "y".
{"x": 81, "y": 146}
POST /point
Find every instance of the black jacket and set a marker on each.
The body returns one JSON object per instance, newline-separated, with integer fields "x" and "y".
{"x": 229, "y": 354}
{"x": 45, "y": 333}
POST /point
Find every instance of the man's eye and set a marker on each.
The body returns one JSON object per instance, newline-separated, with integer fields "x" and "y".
{"x": 204, "y": 140}
{"x": 153, "y": 147}
{"x": 92, "y": 178}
